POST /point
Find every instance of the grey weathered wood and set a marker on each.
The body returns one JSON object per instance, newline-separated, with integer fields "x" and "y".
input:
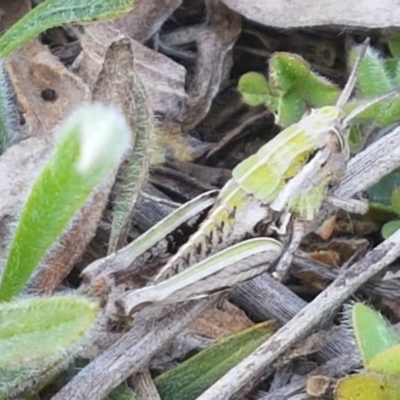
{"x": 131, "y": 352}
{"x": 250, "y": 370}
{"x": 365, "y": 14}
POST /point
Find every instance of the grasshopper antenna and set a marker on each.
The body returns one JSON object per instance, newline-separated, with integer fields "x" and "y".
{"x": 351, "y": 82}
{"x": 360, "y": 109}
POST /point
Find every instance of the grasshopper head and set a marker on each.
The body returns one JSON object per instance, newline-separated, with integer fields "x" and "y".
{"x": 327, "y": 125}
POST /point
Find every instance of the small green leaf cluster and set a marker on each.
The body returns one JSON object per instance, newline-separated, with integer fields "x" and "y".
{"x": 292, "y": 88}
{"x": 380, "y": 351}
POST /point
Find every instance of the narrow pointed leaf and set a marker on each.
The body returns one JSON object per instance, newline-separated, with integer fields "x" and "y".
{"x": 192, "y": 377}
{"x": 52, "y": 13}
{"x": 136, "y": 169}
{"x": 90, "y": 146}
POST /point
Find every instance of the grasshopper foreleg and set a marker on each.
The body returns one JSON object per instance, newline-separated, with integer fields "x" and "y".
{"x": 353, "y": 206}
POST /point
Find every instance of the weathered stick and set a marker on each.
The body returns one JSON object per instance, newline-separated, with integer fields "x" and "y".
{"x": 250, "y": 370}
{"x": 131, "y": 353}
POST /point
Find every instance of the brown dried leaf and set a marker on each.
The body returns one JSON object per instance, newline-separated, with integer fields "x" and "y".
{"x": 12, "y": 11}
{"x": 170, "y": 142}
{"x": 146, "y": 18}
{"x": 61, "y": 259}
{"x": 19, "y": 167}
{"x": 214, "y": 60}
{"x": 219, "y": 322}
{"x": 37, "y": 75}
{"x": 163, "y": 78}
{"x": 320, "y": 386}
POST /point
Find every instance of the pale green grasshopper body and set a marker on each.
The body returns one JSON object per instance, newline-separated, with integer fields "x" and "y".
{"x": 245, "y": 200}
{"x": 290, "y": 175}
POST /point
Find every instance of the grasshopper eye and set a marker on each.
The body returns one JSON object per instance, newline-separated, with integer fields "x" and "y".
{"x": 335, "y": 140}
{"x": 308, "y": 112}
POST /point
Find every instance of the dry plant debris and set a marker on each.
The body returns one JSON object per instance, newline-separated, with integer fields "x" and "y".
{"x": 189, "y": 56}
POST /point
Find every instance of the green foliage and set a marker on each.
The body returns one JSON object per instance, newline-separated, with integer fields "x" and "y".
{"x": 192, "y": 377}
{"x": 90, "y": 145}
{"x": 52, "y": 13}
{"x": 123, "y": 393}
{"x": 292, "y": 88}
{"x": 372, "y": 332}
{"x": 368, "y": 387}
{"x": 375, "y": 79}
{"x": 255, "y": 89}
{"x": 41, "y": 334}
{"x": 394, "y": 45}
{"x": 35, "y": 329}
{"x": 380, "y": 350}
{"x": 385, "y": 196}
{"x": 387, "y": 361}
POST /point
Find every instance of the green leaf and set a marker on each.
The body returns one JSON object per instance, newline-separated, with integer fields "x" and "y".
{"x": 368, "y": 387}
{"x": 89, "y": 148}
{"x": 372, "y": 78}
{"x": 192, "y": 377}
{"x": 392, "y": 67}
{"x": 382, "y": 192}
{"x": 373, "y": 334}
{"x": 389, "y": 228}
{"x": 387, "y": 361}
{"x": 32, "y": 330}
{"x": 394, "y": 45}
{"x": 123, "y": 393}
{"x": 254, "y": 89}
{"x": 292, "y": 72}
{"x": 53, "y": 13}
{"x": 25, "y": 378}
{"x": 291, "y": 108}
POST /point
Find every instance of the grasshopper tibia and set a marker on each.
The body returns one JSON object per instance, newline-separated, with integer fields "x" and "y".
{"x": 283, "y": 266}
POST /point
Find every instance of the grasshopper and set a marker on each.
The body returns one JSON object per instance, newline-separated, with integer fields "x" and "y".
{"x": 283, "y": 184}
